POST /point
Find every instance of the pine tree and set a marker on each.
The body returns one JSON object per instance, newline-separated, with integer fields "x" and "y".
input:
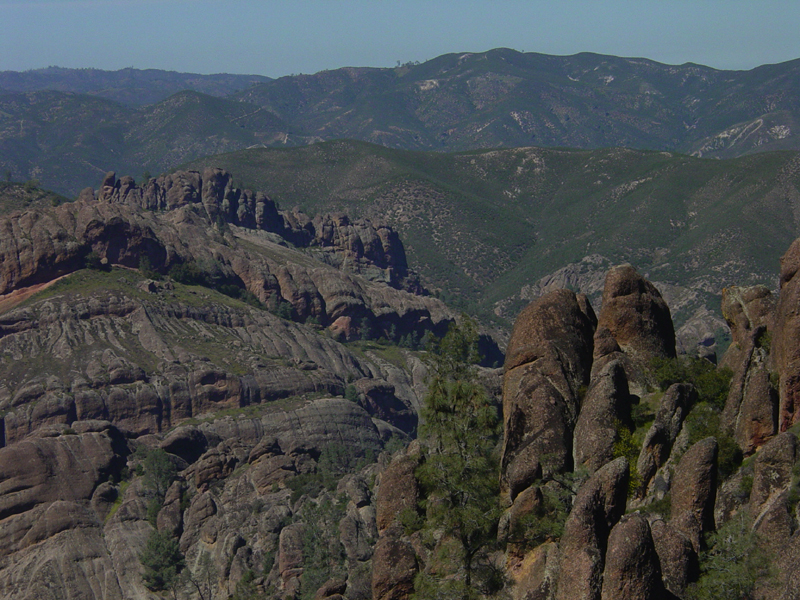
{"x": 162, "y": 561}
{"x": 459, "y": 473}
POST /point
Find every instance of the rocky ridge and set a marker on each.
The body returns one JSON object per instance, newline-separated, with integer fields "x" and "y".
{"x": 277, "y": 490}
{"x": 638, "y": 522}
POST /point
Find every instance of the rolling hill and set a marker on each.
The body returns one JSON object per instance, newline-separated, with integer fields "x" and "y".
{"x": 489, "y": 230}
{"x": 68, "y": 128}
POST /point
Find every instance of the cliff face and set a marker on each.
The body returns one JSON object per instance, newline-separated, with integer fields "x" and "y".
{"x": 101, "y": 367}
{"x": 280, "y": 486}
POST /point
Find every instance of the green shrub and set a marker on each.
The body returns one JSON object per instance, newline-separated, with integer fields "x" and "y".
{"x": 159, "y": 472}
{"x": 704, "y": 421}
{"x": 95, "y": 262}
{"x": 546, "y": 522}
{"x": 733, "y": 563}
{"x": 351, "y": 393}
{"x": 323, "y": 553}
{"x": 187, "y": 273}
{"x": 712, "y": 383}
{"x": 146, "y": 268}
{"x": 626, "y": 445}
{"x": 162, "y": 561}
{"x": 764, "y": 340}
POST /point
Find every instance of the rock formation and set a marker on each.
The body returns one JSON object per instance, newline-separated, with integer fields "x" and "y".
{"x": 634, "y": 325}
{"x": 547, "y": 363}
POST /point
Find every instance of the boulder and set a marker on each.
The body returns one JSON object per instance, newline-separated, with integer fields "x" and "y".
{"x": 634, "y": 325}
{"x": 677, "y": 557}
{"x": 693, "y": 494}
{"x": 547, "y": 362}
{"x": 598, "y": 506}
{"x": 398, "y": 489}
{"x": 394, "y": 566}
{"x": 632, "y": 570}
{"x": 605, "y": 409}
{"x": 636, "y": 316}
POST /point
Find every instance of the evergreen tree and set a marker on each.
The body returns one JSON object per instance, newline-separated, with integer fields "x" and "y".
{"x": 459, "y": 473}
{"x": 162, "y": 561}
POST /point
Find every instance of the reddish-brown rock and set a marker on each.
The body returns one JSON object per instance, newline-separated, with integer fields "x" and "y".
{"x": 605, "y": 409}
{"x": 398, "y": 489}
{"x": 750, "y": 412}
{"x": 785, "y": 346}
{"x": 693, "y": 493}
{"x": 632, "y": 570}
{"x": 598, "y": 506}
{"x": 677, "y": 556}
{"x": 772, "y": 469}
{"x": 394, "y": 566}
{"x": 547, "y": 361}
{"x": 634, "y": 326}
{"x": 635, "y": 315}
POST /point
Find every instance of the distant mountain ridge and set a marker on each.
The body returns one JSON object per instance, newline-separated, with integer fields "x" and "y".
{"x": 131, "y": 87}
{"x": 456, "y": 102}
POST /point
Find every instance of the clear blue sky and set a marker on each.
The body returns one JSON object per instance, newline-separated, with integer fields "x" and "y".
{"x": 281, "y": 37}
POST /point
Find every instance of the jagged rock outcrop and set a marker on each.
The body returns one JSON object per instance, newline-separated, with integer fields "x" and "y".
{"x": 660, "y": 438}
{"x": 694, "y": 487}
{"x": 632, "y": 570}
{"x": 547, "y": 362}
{"x": 37, "y": 246}
{"x": 634, "y": 325}
{"x": 751, "y": 409}
{"x": 604, "y": 411}
{"x": 373, "y": 250}
{"x": 787, "y": 331}
{"x": 598, "y": 506}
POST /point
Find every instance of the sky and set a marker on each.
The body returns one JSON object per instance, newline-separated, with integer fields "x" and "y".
{"x": 284, "y": 37}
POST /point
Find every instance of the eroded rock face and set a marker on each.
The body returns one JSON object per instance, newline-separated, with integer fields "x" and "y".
{"x": 50, "y": 532}
{"x": 661, "y": 436}
{"x": 634, "y": 325}
{"x": 547, "y": 361}
{"x": 772, "y": 470}
{"x": 746, "y": 309}
{"x": 786, "y": 350}
{"x": 751, "y": 408}
{"x": 605, "y": 409}
{"x": 598, "y": 506}
{"x": 694, "y": 491}
{"x": 632, "y": 569}
{"x": 636, "y": 315}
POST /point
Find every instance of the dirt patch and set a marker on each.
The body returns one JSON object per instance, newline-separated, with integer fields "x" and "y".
{"x": 10, "y": 300}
